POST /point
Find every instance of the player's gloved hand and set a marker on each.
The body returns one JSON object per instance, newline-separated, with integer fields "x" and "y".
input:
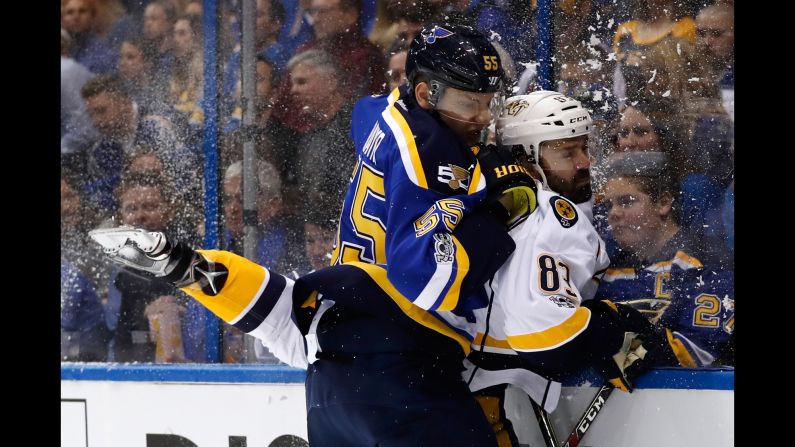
{"x": 643, "y": 345}
{"x": 507, "y": 182}
{"x": 154, "y": 253}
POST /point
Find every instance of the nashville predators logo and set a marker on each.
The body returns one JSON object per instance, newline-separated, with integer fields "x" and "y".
{"x": 562, "y": 301}
{"x": 436, "y": 33}
{"x": 455, "y": 176}
{"x": 515, "y": 107}
{"x": 564, "y": 210}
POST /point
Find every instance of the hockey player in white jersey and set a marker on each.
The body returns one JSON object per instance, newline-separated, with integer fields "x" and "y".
{"x": 536, "y": 295}
{"x": 539, "y": 324}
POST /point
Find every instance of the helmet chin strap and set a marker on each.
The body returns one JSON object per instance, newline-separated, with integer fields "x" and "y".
{"x": 537, "y": 166}
{"x": 543, "y": 176}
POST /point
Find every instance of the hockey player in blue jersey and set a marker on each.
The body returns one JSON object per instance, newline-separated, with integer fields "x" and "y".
{"x": 418, "y": 226}
{"x": 416, "y": 177}
{"x": 423, "y": 225}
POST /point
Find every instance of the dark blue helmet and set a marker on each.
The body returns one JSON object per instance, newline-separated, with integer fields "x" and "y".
{"x": 455, "y": 56}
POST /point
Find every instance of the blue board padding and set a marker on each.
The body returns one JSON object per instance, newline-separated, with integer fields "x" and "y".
{"x": 665, "y": 378}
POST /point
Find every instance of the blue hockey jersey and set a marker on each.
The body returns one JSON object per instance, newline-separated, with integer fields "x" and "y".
{"x": 411, "y": 255}
{"x": 695, "y": 302}
{"x": 414, "y": 183}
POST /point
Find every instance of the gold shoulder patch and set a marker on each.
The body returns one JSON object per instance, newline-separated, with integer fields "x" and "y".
{"x": 565, "y": 211}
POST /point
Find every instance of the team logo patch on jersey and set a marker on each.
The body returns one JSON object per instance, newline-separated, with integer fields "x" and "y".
{"x": 444, "y": 248}
{"x": 436, "y": 33}
{"x": 564, "y": 210}
{"x": 562, "y": 301}
{"x": 515, "y": 107}
{"x": 455, "y": 176}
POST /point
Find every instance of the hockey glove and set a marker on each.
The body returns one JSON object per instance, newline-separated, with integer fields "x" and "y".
{"x": 643, "y": 345}
{"x": 159, "y": 257}
{"x": 507, "y": 182}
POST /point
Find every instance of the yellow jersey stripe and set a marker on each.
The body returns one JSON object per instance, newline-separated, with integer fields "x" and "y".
{"x": 661, "y": 266}
{"x": 492, "y": 406}
{"x": 478, "y": 183}
{"x": 682, "y": 354}
{"x": 311, "y": 301}
{"x": 393, "y": 96}
{"x": 681, "y": 259}
{"x": 245, "y": 283}
{"x": 554, "y": 336}
{"x": 416, "y": 313}
{"x": 611, "y": 304}
{"x": 687, "y": 260}
{"x": 492, "y": 342}
{"x": 622, "y": 273}
{"x": 462, "y": 261}
{"x": 404, "y": 138}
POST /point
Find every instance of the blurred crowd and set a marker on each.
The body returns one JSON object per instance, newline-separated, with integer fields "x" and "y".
{"x": 657, "y": 76}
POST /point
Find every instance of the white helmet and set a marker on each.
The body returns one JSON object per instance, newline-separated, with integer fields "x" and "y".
{"x": 529, "y": 120}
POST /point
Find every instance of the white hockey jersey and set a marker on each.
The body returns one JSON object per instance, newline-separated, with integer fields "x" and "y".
{"x": 535, "y": 297}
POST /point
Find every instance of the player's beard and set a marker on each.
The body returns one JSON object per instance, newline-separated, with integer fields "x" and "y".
{"x": 578, "y": 189}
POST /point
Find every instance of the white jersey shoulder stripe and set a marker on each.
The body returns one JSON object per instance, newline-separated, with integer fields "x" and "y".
{"x": 432, "y": 291}
{"x": 435, "y": 286}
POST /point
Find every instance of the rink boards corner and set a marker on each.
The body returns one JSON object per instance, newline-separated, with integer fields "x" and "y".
{"x": 211, "y": 405}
